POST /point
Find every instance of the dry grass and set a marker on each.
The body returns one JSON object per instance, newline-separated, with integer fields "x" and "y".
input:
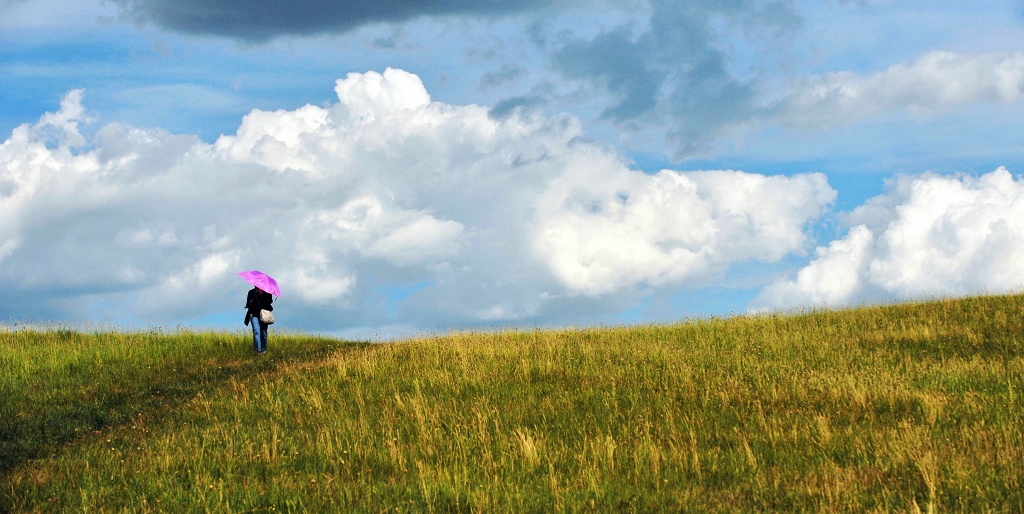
{"x": 903, "y": 408}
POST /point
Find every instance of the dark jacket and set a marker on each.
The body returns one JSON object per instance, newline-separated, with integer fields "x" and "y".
{"x": 257, "y": 299}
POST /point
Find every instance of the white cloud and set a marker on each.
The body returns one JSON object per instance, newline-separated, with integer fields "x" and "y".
{"x": 277, "y": 140}
{"x": 936, "y": 81}
{"x": 28, "y": 164}
{"x": 314, "y": 287}
{"x": 400, "y": 237}
{"x": 832, "y": 278}
{"x": 607, "y": 228}
{"x": 367, "y": 94}
{"x": 208, "y": 270}
{"x": 931, "y": 235}
{"x": 490, "y": 219}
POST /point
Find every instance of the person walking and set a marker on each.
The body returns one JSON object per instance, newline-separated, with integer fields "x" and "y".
{"x": 258, "y": 305}
{"x": 255, "y": 301}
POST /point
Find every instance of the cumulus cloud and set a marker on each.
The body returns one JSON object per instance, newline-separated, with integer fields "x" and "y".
{"x": 383, "y": 209}
{"x": 930, "y": 235}
{"x": 261, "y": 21}
{"x": 400, "y": 237}
{"x": 936, "y": 81}
{"x": 604, "y": 229}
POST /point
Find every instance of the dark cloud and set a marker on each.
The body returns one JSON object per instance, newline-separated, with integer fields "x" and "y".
{"x": 264, "y": 19}
{"x": 619, "y": 65}
{"x": 507, "y": 73}
{"x": 675, "y": 71}
{"x": 507, "y": 106}
{"x": 389, "y": 42}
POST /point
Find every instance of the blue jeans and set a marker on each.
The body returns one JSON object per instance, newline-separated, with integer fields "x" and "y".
{"x": 259, "y": 334}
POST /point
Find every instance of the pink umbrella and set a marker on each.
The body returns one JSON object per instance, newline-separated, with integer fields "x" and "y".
{"x": 262, "y": 281}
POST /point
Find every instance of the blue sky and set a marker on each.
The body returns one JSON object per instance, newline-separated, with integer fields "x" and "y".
{"x": 405, "y": 169}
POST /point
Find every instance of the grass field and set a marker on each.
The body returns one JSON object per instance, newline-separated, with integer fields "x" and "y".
{"x": 907, "y": 408}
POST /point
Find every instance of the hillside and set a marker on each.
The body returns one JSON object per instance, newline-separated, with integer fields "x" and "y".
{"x": 910, "y": 407}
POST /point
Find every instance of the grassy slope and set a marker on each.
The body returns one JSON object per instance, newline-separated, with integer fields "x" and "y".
{"x": 898, "y": 408}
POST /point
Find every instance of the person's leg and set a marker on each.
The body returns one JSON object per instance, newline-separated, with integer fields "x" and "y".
{"x": 263, "y": 336}
{"x": 254, "y": 323}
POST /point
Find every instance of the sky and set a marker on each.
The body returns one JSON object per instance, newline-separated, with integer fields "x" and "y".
{"x": 407, "y": 167}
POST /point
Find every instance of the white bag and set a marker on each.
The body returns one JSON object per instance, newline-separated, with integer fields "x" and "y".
{"x": 266, "y": 317}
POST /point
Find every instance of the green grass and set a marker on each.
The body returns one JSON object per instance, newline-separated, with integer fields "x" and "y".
{"x": 906, "y": 408}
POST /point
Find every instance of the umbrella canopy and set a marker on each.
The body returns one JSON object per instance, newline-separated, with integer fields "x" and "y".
{"x": 262, "y": 281}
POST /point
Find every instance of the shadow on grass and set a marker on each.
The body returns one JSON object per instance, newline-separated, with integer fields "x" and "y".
{"x": 113, "y": 380}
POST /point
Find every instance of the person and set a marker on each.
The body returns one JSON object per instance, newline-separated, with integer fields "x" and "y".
{"x": 258, "y": 299}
